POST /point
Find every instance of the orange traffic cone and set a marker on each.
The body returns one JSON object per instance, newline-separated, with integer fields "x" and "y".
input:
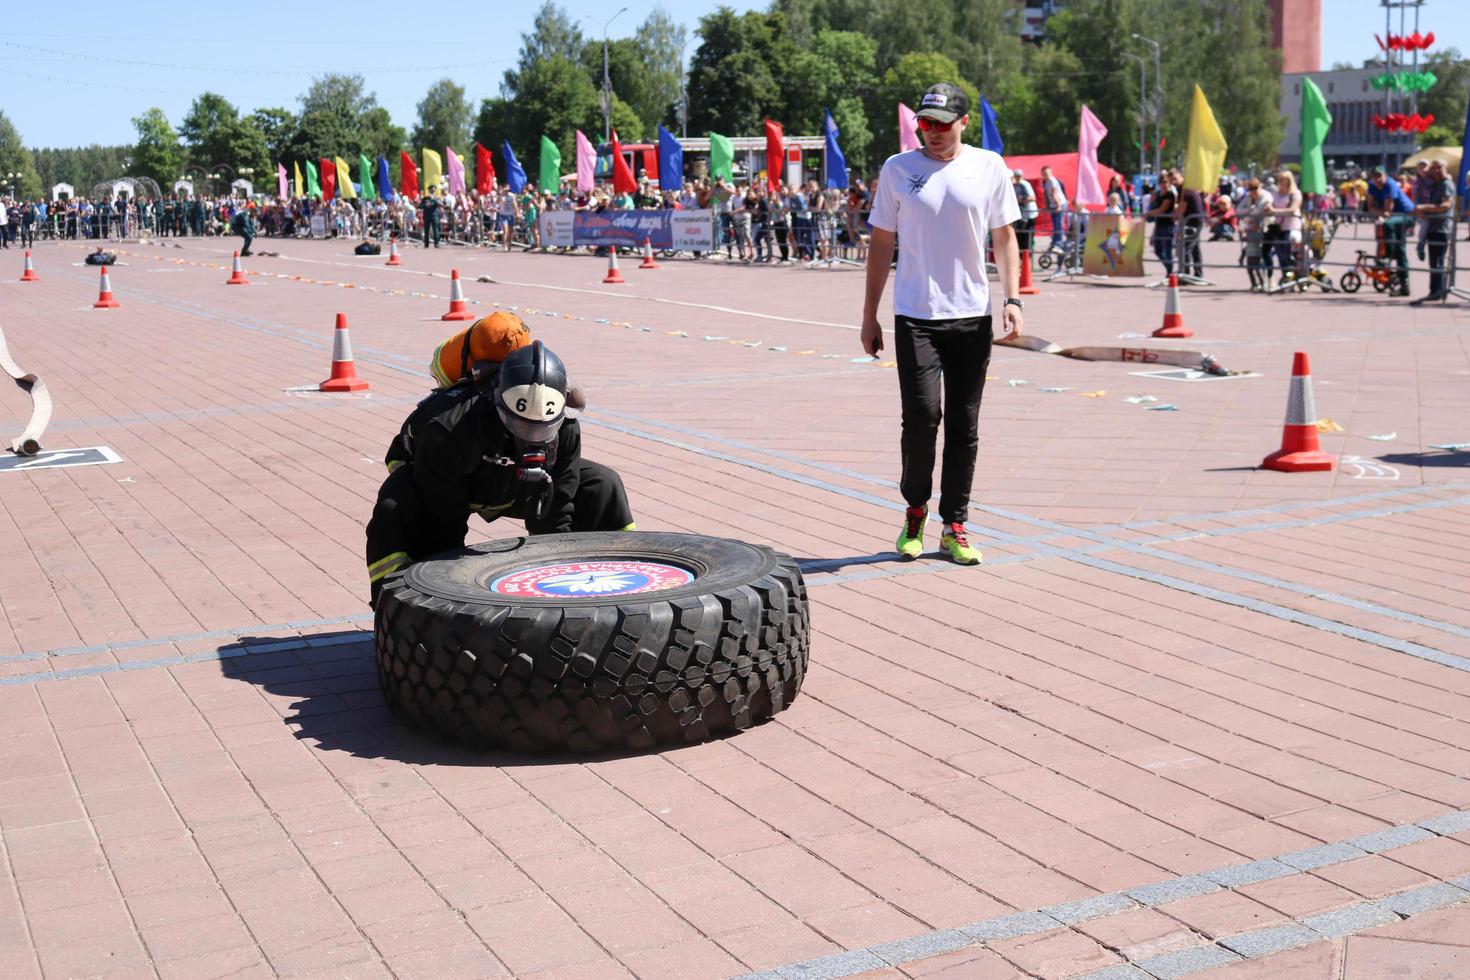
{"x": 1300, "y": 452}
{"x": 393, "y": 258}
{"x": 457, "y": 309}
{"x": 344, "y": 370}
{"x": 648, "y": 262}
{"x": 29, "y": 275}
{"x": 613, "y": 275}
{"x": 1028, "y": 288}
{"x": 104, "y": 295}
{"x": 237, "y": 274}
{"x": 1173, "y": 320}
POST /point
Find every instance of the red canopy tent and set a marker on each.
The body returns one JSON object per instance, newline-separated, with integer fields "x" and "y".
{"x": 1064, "y": 166}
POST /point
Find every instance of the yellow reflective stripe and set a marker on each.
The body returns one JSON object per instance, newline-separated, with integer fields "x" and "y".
{"x": 387, "y": 566}
{"x": 393, "y": 464}
{"x": 632, "y": 526}
{"x": 436, "y": 369}
{"x": 480, "y": 507}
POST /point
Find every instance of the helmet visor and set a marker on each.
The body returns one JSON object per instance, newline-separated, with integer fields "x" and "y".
{"x": 524, "y": 430}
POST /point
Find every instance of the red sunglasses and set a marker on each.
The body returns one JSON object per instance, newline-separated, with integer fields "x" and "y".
{"x": 934, "y": 125}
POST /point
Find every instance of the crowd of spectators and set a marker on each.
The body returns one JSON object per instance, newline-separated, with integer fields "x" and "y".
{"x": 1282, "y": 231}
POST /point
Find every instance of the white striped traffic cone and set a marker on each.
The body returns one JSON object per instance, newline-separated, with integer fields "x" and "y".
{"x": 237, "y": 274}
{"x": 613, "y": 275}
{"x": 648, "y": 262}
{"x": 393, "y": 258}
{"x": 344, "y": 370}
{"x": 104, "y": 294}
{"x": 457, "y": 310}
{"x": 29, "y": 275}
{"x": 1173, "y": 319}
{"x": 1300, "y": 451}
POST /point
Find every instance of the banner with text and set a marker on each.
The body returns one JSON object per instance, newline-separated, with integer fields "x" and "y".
{"x": 683, "y": 230}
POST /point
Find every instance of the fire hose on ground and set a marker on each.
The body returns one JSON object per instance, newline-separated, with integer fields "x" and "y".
{"x": 28, "y": 443}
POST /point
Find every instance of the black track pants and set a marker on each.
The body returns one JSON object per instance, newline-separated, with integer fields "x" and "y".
{"x": 401, "y": 533}
{"x": 954, "y": 353}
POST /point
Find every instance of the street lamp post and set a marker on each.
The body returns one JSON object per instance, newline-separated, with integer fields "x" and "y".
{"x": 1142, "y": 138}
{"x": 606, "y": 83}
{"x": 684, "y": 91}
{"x": 1158, "y": 98}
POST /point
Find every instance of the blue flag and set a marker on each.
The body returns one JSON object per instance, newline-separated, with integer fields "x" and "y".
{"x": 834, "y": 171}
{"x": 670, "y": 161}
{"x": 1464, "y": 157}
{"x": 384, "y": 181}
{"x": 989, "y": 134}
{"x": 515, "y": 174}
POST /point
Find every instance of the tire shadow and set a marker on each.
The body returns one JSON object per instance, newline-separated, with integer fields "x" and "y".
{"x": 1433, "y": 457}
{"x": 326, "y": 689}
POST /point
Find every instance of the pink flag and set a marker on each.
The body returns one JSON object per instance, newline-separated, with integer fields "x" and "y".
{"x": 281, "y": 181}
{"x": 1089, "y": 190}
{"x": 456, "y": 172}
{"x": 586, "y": 164}
{"x": 908, "y": 129}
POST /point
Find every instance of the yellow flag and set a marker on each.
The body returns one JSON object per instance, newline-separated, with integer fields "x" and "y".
{"x": 1205, "y": 154}
{"x": 344, "y": 179}
{"x": 300, "y": 189}
{"x": 433, "y": 178}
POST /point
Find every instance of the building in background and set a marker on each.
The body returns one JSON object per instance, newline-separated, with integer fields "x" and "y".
{"x": 1296, "y": 31}
{"x": 1034, "y": 15}
{"x": 1353, "y": 142}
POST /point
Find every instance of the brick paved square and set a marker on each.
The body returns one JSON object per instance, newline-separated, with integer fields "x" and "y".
{"x": 1179, "y": 680}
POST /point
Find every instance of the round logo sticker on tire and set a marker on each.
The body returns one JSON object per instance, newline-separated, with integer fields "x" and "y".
{"x": 582, "y": 579}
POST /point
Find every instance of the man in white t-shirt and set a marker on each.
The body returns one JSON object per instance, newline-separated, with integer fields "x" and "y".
{"x": 940, "y": 201}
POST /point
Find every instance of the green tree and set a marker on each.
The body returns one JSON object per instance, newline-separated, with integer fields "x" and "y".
{"x": 1081, "y": 62}
{"x": 339, "y": 116}
{"x": 736, "y": 75}
{"x": 157, "y": 154}
{"x": 553, "y": 35}
{"x": 205, "y": 128}
{"x": 553, "y": 96}
{"x": 834, "y": 71}
{"x": 627, "y": 78}
{"x": 82, "y": 166}
{"x": 660, "y": 44}
{"x": 277, "y": 126}
{"x": 1446, "y": 100}
{"x": 16, "y": 158}
{"x": 1240, "y": 79}
{"x": 444, "y": 117}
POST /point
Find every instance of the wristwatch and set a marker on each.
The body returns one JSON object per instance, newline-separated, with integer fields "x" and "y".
{"x": 1012, "y": 301}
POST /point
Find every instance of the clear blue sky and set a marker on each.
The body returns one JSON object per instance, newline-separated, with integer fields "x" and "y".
{"x": 81, "y": 89}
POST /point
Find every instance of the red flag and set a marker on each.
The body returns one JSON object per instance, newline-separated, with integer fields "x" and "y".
{"x": 484, "y": 170}
{"x": 623, "y": 182}
{"x": 775, "y": 155}
{"x": 329, "y": 179}
{"x": 408, "y": 181}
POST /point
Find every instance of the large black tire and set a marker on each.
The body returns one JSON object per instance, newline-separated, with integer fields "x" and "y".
{"x": 668, "y": 664}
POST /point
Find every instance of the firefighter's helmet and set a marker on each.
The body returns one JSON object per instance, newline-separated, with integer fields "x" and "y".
{"x": 531, "y": 393}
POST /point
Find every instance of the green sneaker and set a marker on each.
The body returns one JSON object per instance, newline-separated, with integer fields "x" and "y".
{"x": 953, "y": 542}
{"x": 911, "y": 538}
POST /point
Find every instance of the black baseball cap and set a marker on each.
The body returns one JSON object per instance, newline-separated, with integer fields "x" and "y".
{"x": 943, "y": 103}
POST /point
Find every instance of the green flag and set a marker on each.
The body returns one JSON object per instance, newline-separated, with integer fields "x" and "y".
{"x": 312, "y": 185}
{"x": 365, "y": 178}
{"x": 721, "y": 156}
{"x": 550, "y": 166}
{"x": 1316, "y": 121}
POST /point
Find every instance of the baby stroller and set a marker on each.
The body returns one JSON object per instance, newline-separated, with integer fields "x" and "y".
{"x": 1317, "y": 233}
